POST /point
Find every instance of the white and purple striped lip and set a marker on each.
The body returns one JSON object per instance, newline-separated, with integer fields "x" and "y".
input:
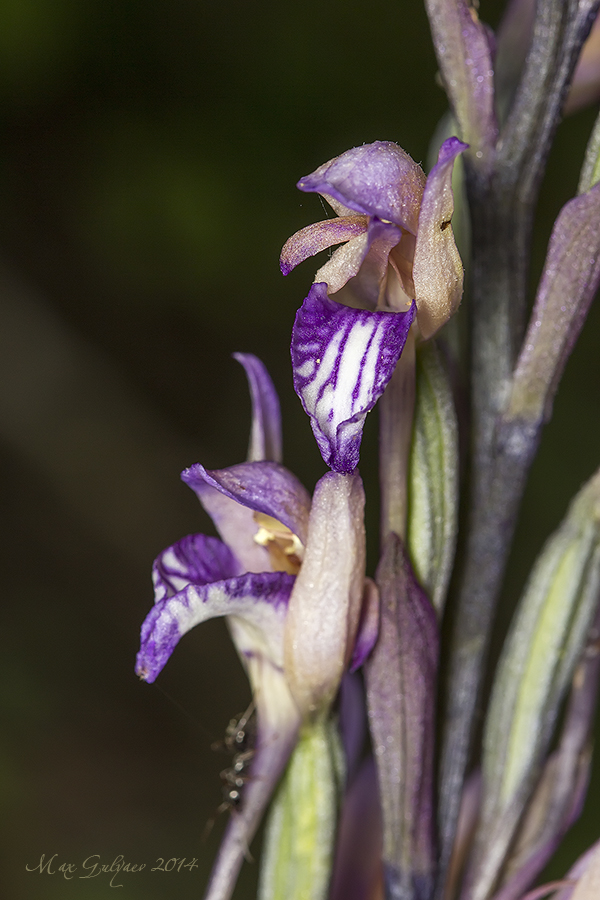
{"x": 260, "y": 599}
{"x": 197, "y": 559}
{"x": 343, "y": 359}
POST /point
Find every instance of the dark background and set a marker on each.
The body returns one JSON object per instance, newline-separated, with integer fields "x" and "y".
{"x": 148, "y": 155}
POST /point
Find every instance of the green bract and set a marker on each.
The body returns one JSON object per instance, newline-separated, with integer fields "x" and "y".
{"x": 542, "y": 649}
{"x": 300, "y": 833}
{"x": 433, "y": 478}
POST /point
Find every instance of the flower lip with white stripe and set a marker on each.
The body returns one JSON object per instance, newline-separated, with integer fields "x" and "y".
{"x": 398, "y": 263}
{"x": 343, "y": 359}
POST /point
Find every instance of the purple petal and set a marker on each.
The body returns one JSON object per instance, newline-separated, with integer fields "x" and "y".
{"x": 314, "y": 238}
{"x": 377, "y": 179}
{"x": 260, "y": 599}
{"x": 437, "y": 266}
{"x": 235, "y": 523}
{"x": 265, "y": 437}
{"x": 368, "y": 626}
{"x": 197, "y": 559}
{"x": 401, "y": 688}
{"x": 343, "y": 359}
{"x": 265, "y": 487}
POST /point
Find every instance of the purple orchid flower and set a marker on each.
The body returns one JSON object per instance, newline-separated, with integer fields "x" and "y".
{"x": 288, "y": 575}
{"x": 398, "y": 263}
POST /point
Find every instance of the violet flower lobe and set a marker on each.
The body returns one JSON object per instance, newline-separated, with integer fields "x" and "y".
{"x": 265, "y": 519}
{"x": 398, "y": 263}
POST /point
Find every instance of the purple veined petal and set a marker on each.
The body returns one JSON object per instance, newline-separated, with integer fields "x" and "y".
{"x": 437, "y": 266}
{"x": 343, "y": 359}
{"x": 311, "y": 240}
{"x": 324, "y": 608}
{"x": 235, "y": 523}
{"x": 401, "y": 676}
{"x": 265, "y": 487}
{"x": 377, "y": 179}
{"x": 196, "y": 559}
{"x": 361, "y": 265}
{"x": 265, "y": 436}
{"x": 368, "y": 626}
{"x": 260, "y": 599}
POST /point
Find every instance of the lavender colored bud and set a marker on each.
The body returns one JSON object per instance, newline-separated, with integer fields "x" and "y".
{"x": 401, "y": 686}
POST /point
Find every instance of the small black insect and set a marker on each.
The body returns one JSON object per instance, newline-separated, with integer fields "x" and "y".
{"x": 234, "y": 779}
{"x": 239, "y": 741}
{"x": 240, "y": 734}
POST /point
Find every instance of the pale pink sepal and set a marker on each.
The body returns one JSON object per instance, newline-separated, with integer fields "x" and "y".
{"x": 437, "y": 266}
{"x": 324, "y": 608}
{"x": 319, "y": 236}
{"x": 361, "y": 265}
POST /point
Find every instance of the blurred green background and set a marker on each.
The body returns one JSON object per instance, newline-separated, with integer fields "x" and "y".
{"x": 148, "y": 155}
